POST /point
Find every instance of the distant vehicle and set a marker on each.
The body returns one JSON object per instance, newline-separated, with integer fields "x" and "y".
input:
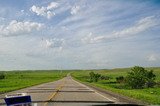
{"x": 19, "y": 99}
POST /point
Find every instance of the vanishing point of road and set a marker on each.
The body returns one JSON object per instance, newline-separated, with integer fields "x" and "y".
{"x": 66, "y": 92}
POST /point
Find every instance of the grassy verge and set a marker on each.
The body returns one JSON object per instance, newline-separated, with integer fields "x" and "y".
{"x": 20, "y": 79}
{"x": 149, "y": 95}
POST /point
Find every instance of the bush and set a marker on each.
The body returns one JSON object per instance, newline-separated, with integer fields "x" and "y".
{"x": 2, "y": 76}
{"x": 97, "y": 76}
{"x": 120, "y": 79}
{"x": 150, "y": 79}
{"x": 150, "y": 84}
{"x": 139, "y": 77}
{"x": 158, "y": 84}
{"x": 104, "y": 78}
{"x": 91, "y": 76}
{"x": 94, "y": 77}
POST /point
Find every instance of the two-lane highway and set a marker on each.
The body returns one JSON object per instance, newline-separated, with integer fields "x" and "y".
{"x": 64, "y": 92}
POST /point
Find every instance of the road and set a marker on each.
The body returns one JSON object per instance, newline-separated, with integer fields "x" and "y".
{"x": 65, "y": 92}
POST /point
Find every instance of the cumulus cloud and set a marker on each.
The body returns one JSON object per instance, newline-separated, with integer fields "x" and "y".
{"x": 139, "y": 26}
{"x": 55, "y": 43}
{"x": 38, "y": 10}
{"x": 16, "y": 28}
{"x": 75, "y": 9}
{"x": 45, "y": 11}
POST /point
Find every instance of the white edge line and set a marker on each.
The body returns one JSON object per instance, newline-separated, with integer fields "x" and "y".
{"x": 92, "y": 90}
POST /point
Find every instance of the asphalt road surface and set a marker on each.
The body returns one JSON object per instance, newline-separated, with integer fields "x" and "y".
{"x": 65, "y": 92}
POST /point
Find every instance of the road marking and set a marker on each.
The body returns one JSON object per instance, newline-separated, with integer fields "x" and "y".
{"x": 54, "y": 94}
{"x": 114, "y": 98}
{"x": 35, "y": 104}
{"x": 92, "y": 90}
{"x": 103, "y": 96}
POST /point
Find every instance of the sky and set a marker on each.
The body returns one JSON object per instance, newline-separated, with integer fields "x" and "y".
{"x": 79, "y": 34}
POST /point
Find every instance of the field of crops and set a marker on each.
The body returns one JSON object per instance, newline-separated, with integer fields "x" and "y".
{"x": 149, "y": 95}
{"x": 20, "y": 79}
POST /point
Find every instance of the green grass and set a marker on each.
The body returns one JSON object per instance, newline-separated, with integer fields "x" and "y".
{"x": 149, "y": 95}
{"x": 20, "y": 79}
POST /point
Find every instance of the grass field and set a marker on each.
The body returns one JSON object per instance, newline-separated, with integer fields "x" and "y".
{"x": 20, "y": 79}
{"x": 149, "y": 95}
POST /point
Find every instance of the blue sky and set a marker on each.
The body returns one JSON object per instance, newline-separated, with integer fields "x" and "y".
{"x": 79, "y": 34}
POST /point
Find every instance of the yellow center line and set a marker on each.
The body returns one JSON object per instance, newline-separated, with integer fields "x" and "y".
{"x": 54, "y": 94}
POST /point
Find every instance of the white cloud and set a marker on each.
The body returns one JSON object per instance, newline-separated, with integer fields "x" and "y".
{"x": 152, "y": 58}
{"x": 55, "y": 43}
{"x": 38, "y": 10}
{"x": 90, "y": 39}
{"x": 140, "y": 26}
{"x": 52, "y": 5}
{"x": 45, "y": 11}
{"x": 50, "y": 14}
{"x": 75, "y": 9}
{"x": 22, "y": 11}
{"x": 19, "y": 28}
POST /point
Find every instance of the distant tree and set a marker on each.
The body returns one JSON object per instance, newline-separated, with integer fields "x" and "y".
{"x": 91, "y": 76}
{"x": 138, "y": 77}
{"x": 97, "y": 76}
{"x": 94, "y": 77}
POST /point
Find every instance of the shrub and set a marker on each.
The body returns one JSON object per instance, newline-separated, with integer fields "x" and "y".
{"x": 97, "y": 76}
{"x": 139, "y": 77}
{"x": 2, "y": 76}
{"x": 94, "y": 77}
{"x": 158, "y": 84}
{"x": 91, "y": 76}
{"x": 104, "y": 78}
{"x": 120, "y": 79}
{"x": 150, "y": 79}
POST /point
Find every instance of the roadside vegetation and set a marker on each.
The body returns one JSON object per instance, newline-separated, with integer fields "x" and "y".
{"x": 137, "y": 82}
{"x": 13, "y": 80}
